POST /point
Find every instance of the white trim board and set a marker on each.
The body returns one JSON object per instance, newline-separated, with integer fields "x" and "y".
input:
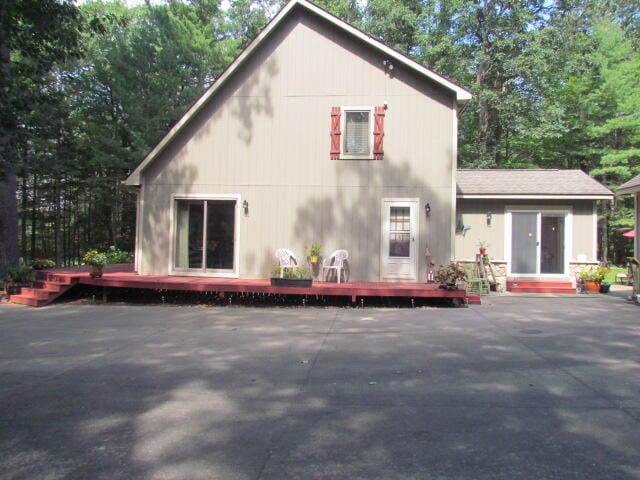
{"x": 538, "y": 197}
{"x": 462, "y": 95}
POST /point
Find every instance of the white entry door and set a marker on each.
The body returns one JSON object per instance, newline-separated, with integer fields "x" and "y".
{"x": 399, "y": 232}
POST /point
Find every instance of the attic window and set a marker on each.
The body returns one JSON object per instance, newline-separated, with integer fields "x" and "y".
{"x": 358, "y": 135}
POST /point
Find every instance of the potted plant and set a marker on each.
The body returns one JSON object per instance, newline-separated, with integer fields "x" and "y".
{"x": 482, "y": 247}
{"x": 292, "y": 277}
{"x": 593, "y": 278}
{"x": 42, "y": 263}
{"x": 314, "y": 253}
{"x": 449, "y": 275}
{"x": 17, "y": 278}
{"x": 97, "y": 260}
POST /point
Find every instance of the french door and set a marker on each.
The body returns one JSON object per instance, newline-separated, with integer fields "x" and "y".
{"x": 538, "y": 243}
{"x": 399, "y": 232}
{"x": 205, "y": 236}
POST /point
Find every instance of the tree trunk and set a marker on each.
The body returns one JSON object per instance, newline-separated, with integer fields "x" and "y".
{"x": 8, "y": 219}
{"x": 34, "y": 215}
{"x": 24, "y": 206}
{"x": 8, "y": 207}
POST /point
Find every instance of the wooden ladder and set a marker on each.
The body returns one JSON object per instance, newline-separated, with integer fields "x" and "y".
{"x": 485, "y": 270}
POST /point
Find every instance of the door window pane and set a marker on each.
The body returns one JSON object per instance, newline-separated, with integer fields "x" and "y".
{"x": 524, "y": 242}
{"x": 552, "y": 245}
{"x": 220, "y": 234}
{"x": 399, "y": 231}
{"x": 189, "y": 234}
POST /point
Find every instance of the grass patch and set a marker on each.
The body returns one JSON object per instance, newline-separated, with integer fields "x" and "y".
{"x": 613, "y": 271}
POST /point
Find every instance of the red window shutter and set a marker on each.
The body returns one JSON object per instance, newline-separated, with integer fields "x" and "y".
{"x": 335, "y": 133}
{"x": 378, "y": 133}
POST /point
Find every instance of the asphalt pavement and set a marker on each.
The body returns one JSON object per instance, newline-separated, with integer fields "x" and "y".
{"x": 517, "y": 388}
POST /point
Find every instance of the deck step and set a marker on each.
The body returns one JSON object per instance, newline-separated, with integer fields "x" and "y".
{"x": 541, "y": 286}
{"x": 28, "y": 300}
{"x": 473, "y": 299}
{"x": 42, "y": 293}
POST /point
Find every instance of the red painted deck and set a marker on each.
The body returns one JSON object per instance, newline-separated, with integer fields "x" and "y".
{"x": 51, "y": 279}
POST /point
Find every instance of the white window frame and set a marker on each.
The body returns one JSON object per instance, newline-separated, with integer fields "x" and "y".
{"x": 201, "y": 272}
{"x": 343, "y": 130}
{"x": 566, "y": 212}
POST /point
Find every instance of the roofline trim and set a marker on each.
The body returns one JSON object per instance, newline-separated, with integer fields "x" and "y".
{"x": 537, "y": 197}
{"x": 462, "y": 95}
{"x": 628, "y": 190}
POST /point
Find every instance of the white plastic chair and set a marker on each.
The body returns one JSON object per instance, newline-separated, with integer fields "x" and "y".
{"x": 336, "y": 261}
{"x": 286, "y": 259}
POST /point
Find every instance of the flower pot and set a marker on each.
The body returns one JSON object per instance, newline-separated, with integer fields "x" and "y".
{"x": 313, "y": 258}
{"x": 96, "y": 272}
{"x": 482, "y": 250}
{"x": 592, "y": 286}
{"x": 605, "y": 287}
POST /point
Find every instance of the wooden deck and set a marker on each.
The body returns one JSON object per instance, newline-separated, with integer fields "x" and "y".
{"x": 52, "y": 283}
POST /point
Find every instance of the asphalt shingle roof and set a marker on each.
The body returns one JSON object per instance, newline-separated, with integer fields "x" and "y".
{"x": 631, "y": 186}
{"x": 528, "y": 182}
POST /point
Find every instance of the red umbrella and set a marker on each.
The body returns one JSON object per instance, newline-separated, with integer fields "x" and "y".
{"x": 630, "y": 234}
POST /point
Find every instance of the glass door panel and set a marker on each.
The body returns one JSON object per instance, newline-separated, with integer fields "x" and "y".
{"x": 189, "y": 234}
{"x": 399, "y": 232}
{"x": 552, "y": 244}
{"x": 524, "y": 243}
{"x": 220, "y": 234}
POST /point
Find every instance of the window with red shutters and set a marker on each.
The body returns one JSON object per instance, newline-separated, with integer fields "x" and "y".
{"x": 378, "y": 133}
{"x": 335, "y": 133}
{"x": 357, "y": 133}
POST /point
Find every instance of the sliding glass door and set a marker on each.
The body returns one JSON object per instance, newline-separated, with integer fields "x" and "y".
{"x": 538, "y": 243}
{"x": 205, "y": 238}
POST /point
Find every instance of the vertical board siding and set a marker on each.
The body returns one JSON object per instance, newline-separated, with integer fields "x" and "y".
{"x": 474, "y": 214}
{"x": 266, "y": 137}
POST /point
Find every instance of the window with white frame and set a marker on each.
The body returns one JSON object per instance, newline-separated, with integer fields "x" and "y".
{"x": 358, "y": 135}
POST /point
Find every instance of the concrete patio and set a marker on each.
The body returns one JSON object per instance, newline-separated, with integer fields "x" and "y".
{"x": 525, "y": 388}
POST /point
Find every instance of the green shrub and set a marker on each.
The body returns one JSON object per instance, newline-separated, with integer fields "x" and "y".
{"x": 40, "y": 263}
{"x": 450, "y": 273}
{"x": 298, "y": 272}
{"x": 114, "y": 255}
{"x": 22, "y": 274}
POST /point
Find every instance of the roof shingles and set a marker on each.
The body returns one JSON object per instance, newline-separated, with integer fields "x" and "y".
{"x": 528, "y": 182}
{"x": 632, "y": 186}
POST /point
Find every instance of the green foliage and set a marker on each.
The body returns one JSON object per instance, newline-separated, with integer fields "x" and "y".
{"x": 297, "y": 272}
{"x": 41, "y": 263}
{"x": 23, "y": 275}
{"x": 95, "y": 259}
{"x": 115, "y": 255}
{"x": 597, "y": 274}
{"x": 314, "y": 250}
{"x": 450, "y": 273}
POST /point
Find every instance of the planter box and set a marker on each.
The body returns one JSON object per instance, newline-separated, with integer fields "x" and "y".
{"x": 291, "y": 282}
